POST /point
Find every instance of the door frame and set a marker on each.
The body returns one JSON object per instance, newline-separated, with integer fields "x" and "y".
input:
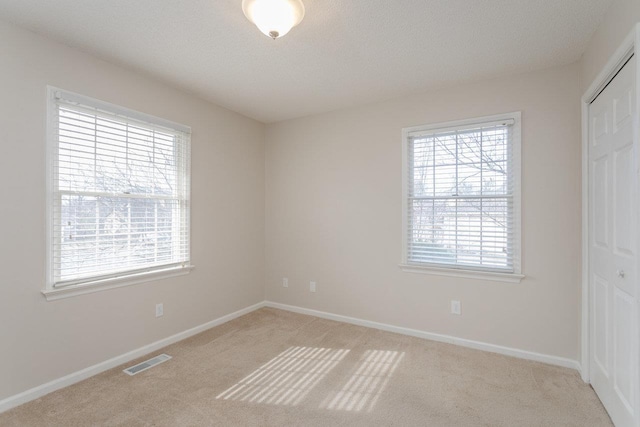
{"x": 630, "y": 45}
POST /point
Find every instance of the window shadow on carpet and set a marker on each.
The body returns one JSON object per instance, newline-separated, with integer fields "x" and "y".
{"x": 367, "y": 382}
{"x": 287, "y": 378}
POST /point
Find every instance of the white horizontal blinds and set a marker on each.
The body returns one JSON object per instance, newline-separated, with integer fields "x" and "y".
{"x": 461, "y": 197}
{"x": 121, "y": 194}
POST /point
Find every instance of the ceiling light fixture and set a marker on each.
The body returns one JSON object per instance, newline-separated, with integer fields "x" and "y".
{"x": 274, "y": 17}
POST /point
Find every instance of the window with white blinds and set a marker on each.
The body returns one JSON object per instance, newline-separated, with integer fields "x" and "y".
{"x": 119, "y": 192}
{"x": 462, "y": 195}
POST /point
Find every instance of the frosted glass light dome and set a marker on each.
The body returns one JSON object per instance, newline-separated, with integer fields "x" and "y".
{"x": 274, "y": 18}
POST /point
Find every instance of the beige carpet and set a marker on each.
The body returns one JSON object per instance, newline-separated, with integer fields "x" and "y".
{"x": 275, "y": 368}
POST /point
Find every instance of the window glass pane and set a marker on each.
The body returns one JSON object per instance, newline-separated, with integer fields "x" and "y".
{"x": 445, "y": 149}
{"x": 109, "y": 234}
{"x": 471, "y": 232}
{"x": 494, "y": 178}
{"x": 468, "y": 232}
{"x": 445, "y": 180}
{"x": 423, "y": 181}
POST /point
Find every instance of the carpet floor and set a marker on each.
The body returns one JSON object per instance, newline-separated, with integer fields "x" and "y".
{"x": 276, "y": 368}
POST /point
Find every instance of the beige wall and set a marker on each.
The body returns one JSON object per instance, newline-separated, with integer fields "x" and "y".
{"x": 616, "y": 25}
{"x": 41, "y": 341}
{"x": 333, "y": 214}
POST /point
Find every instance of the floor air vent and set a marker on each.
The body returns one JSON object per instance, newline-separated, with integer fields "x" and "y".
{"x": 147, "y": 364}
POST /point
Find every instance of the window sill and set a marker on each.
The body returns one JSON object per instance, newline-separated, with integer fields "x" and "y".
{"x": 467, "y": 274}
{"x": 53, "y": 294}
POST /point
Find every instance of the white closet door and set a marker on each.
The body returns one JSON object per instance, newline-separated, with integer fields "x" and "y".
{"x": 613, "y": 248}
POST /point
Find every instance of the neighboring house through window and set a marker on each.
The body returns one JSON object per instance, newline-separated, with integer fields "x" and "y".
{"x": 462, "y": 196}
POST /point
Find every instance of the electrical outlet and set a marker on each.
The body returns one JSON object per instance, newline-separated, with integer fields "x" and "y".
{"x": 159, "y": 310}
{"x": 455, "y": 307}
{"x": 312, "y": 286}
{"x": 285, "y": 282}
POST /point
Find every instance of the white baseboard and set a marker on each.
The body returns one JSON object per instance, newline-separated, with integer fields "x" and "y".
{"x": 508, "y": 351}
{"x": 83, "y": 374}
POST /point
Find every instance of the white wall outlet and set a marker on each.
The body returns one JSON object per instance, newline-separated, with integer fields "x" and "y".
{"x": 285, "y": 282}
{"x": 455, "y": 307}
{"x": 159, "y": 310}
{"x": 312, "y": 286}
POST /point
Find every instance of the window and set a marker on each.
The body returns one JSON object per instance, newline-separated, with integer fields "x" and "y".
{"x": 118, "y": 193}
{"x": 462, "y": 195}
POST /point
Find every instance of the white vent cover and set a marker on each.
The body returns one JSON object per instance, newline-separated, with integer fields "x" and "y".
{"x": 143, "y": 366}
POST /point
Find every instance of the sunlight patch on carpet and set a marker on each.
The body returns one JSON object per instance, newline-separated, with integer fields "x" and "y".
{"x": 367, "y": 383}
{"x": 287, "y": 378}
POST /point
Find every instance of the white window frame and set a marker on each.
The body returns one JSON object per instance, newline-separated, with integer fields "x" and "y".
{"x": 117, "y": 280}
{"x": 445, "y": 270}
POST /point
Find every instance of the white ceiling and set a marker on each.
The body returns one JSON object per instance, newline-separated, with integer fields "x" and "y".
{"x": 344, "y": 53}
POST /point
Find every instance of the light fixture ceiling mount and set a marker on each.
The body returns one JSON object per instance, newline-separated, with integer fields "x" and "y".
{"x": 274, "y": 18}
